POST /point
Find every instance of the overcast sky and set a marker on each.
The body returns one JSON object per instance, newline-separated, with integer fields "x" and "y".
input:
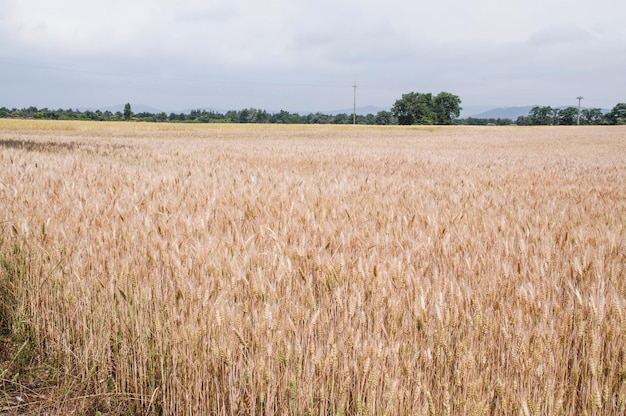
{"x": 305, "y": 55}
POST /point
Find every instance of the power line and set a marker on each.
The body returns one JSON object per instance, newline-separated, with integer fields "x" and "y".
{"x": 578, "y": 119}
{"x": 354, "y": 106}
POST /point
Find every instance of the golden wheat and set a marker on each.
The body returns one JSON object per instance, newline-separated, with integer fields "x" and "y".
{"x": 220, "y": 269}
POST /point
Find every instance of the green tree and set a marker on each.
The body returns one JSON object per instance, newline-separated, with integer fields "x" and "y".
{"x": 369, "y": 119}
{"x": 261, "y": 116}
{"x": 418, "y": 108}
{"x": 447, "y": 107}
{"x": 617, "y": 114}
{"x": 592, "y": 116}
{"x": 567, "y": 116}
{"x": 342, "y": 118}
{"x": 384, "y": 118}
{"x": 283, "y": 117}
{"x": 232, "y": 116}
{"x": 318, "y": 118}
{"x": 128, "y": 112}
{"x": 414, "y": 108}
{"x": 540, "y": 116}
{"x": 245, "y": 116}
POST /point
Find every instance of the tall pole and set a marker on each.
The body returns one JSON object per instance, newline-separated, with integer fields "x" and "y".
{"x": 578, "y": 119}
{"x": 354, "y": 105}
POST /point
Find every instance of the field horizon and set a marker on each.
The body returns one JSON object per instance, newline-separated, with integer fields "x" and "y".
{"x": 312, "y": 270}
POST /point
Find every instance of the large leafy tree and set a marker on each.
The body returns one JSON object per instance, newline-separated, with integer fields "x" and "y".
{"x": 384, "y": 118}
{"x": 592, "y": 116}
{"x": 567, "y": 116}
{"x": 424, "y": 108}
{"x": 541, "y": 116}
{"x": 414, "y": 108}
{"x": 447, "y": 106}
{"x": 617, "y": 114}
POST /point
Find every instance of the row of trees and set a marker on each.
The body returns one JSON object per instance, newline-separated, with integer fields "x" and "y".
{"x": 413, "y": 108}
{"x": 569, "y": 116}
{"x": 247, "y": 115}
{"x": 549, "y": 116}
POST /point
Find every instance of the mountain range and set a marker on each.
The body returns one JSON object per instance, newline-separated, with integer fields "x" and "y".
{"x": 511, "y": 113}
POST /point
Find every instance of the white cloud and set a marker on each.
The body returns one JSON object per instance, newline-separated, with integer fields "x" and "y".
{"x": 298, "y": 54}
{"x": 560, "y": 35}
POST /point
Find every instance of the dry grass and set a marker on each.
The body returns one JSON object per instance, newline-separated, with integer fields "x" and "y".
{"x": 175, "y": 269}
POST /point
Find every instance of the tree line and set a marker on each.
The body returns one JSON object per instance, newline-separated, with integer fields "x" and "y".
{"x": 246, "y": 115}
{"x": 569, "y": 116}
{"x": 565, "y": 116}
{"x": 412, "y": 108}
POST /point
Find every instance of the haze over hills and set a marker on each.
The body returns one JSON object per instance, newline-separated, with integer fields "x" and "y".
{"x": 513, "y": 113}
{"x": 506, "y": 112}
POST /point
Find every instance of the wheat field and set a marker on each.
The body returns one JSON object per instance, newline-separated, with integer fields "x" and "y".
{"x": 312, "y": 270}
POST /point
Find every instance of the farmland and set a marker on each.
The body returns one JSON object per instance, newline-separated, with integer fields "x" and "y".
{"x": 264, "y": 269}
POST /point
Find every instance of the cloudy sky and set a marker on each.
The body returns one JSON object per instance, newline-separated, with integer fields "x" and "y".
{"x": 305, "y": 55}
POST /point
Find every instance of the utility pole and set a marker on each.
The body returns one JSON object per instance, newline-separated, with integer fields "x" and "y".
{"x": 354, "y": 107}
{"x": 578, "y": 119}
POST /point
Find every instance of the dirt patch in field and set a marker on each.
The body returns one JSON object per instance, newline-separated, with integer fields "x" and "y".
{"x": 33, "y": 146}
{"x": 54, "y": 147}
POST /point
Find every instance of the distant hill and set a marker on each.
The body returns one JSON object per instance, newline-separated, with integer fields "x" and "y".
{"x": 513, "y": 113}
{"x": 507, "y": 112}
